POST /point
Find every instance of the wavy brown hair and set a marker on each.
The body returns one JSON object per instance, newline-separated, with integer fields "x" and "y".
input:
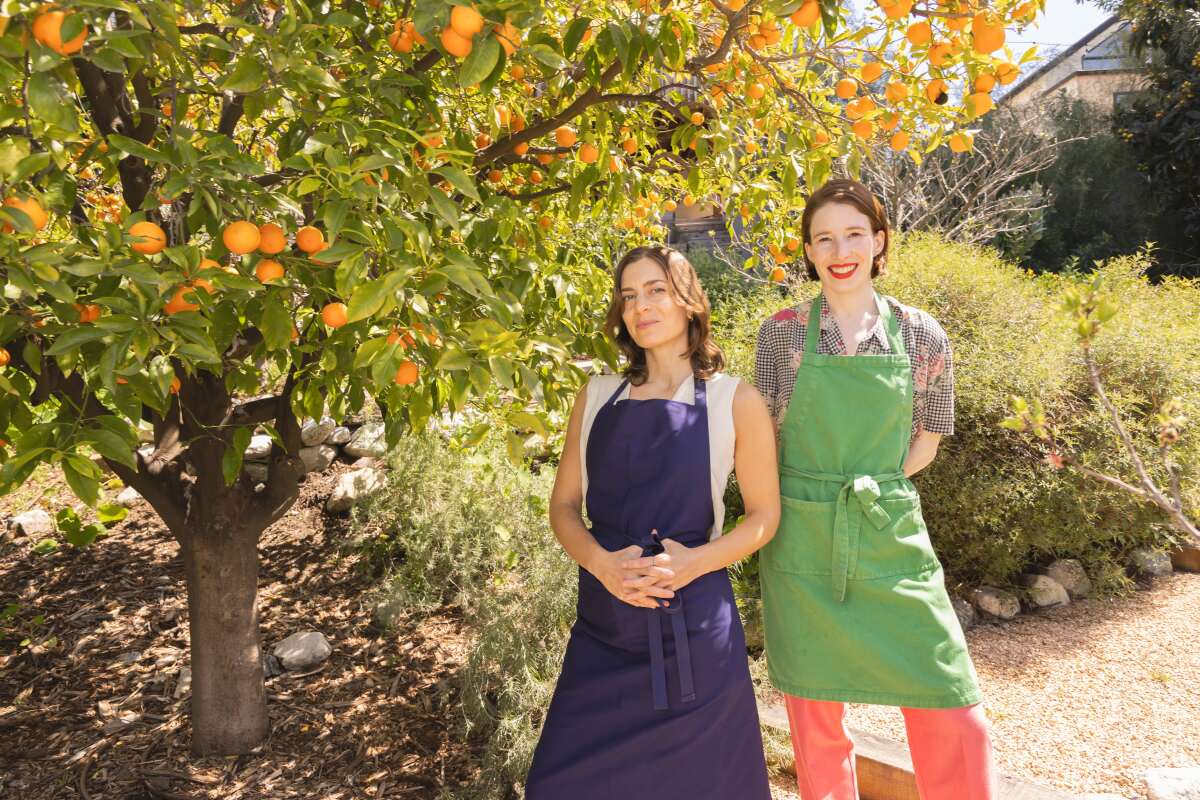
{"x": 852, "y": 193}
{"x": 707, "y": 359}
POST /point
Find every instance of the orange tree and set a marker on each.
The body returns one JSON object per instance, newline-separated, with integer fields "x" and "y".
{"x": 219, "y": 216}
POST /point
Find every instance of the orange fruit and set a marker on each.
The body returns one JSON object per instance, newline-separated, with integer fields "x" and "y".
{"x": 871, "y": 71}
{"x": 778, "y": 275}
{"x": 670, "y": 205}
{"x": 863, "y": 129}
{"x": 5, "y": 357}
{"x": 521, "y": 148}
{"x": 846, "y": 88}
{"x": 510, "y": 37}
{"x": 545, "y": 159}
{"x": 517, "y": 72}
{"x": 179, "y": 301}
{"x": 334, "y": 314}
{"x": 465, "y": 21}
{"x": 175, "y": 384}
{"x": 896, "y": 92}
{"x": 203, "y": 284}
{"x": 267, "y": 270}
{"x": 454, "y": 44}
{"x": 616, "y": 164}
{"x": 407, "y": 374}
{"x": 985, "y": 82}
{"x": 820, "y": 138}
{"x": 792, "y": 244}
{"x": 890, "y": 120}
{"x": 806, "y": 14}
{"x": 1006, "y": 73}
{"x": 149, "y": 238}
{"x": 545, "y": 223}
{"x": 271, "y": 239}
{"x": 47, "y": 29}
{"x": 689, "y": 201}
{"x": 756, "y": 91}
{"x": 32, "y": 208}
{"x": 979, "y": 103}
{"x": 589, "y": 153}
{"x": 495, "y": 176}
{"x": 565, "y": 136}
{"x": 919, "y": 33}
{"x": 957, "y": 23}
{"x": 961, "y": 142}
{"x": 399, "y": 42}
{"x": 895, "y": 9}
{"x": 482, "y": 141}
{"x": 630, "y": 146}
{"x": 241, "y": 237}
{"x": 987, "y": 35}
{"x": 940, "y": 53}
{"x": 899, "y": 141}
{"x": 535, "y": 176}
{"x": 935, "y": 90}
{"x": 310, "y": 239}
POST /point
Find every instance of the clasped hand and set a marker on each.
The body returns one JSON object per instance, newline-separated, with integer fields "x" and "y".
{"x": 648, "y": 581}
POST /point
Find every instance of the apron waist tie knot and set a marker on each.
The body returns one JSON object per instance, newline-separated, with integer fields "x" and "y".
{"x": 864, "y": 490}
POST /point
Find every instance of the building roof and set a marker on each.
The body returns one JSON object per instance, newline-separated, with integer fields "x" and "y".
{"x": 1049, "y": 65}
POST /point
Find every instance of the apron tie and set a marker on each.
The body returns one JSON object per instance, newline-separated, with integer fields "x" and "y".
{"x": 864, "y": 489}
{"x": 672, "y": 608}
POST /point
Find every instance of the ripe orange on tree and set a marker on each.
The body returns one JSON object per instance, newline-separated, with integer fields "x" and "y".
{"x": 179, "y": 301}
{"x": 47, "y": 29}
{"x": 454, "y": 44}
{"x": 961, "y": 142}
{"x": 985, "y": 82}
{"x": 521, "y": 148}
{"x": 149, "y": 238}
{"x": 5, "y": 357}
{"x": 919, "y": 33}
{"x": 846, "y": 88}
{"x": 589, "y": 153}
{"x": 241, "y": 237}
{"x": 895, "y": 9}
{"x": 896, "y": 92}
{"x": 465, "y": 21}
{"x": 871, "y": 71}
{"x": 987, "y": 33}
{"x": 565, "y": 136}
{"x": 899, "y": 141}
{"x": 806, "y": 14}
{"x": 32, "y": 209}
{"x": 407, "y": 373}
{"x": 271, "y": 239}
{"x": 268, "y": 270}
{"x": 778, "y": 275}
{"x": 334, "y": 314}
{"x": 310, "y": 240}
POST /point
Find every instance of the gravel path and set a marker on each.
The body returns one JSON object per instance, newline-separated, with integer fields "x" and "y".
{"x": 1085, "y": 698}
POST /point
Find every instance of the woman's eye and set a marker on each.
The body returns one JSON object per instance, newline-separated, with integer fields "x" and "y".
{"x": 659, "y": 289}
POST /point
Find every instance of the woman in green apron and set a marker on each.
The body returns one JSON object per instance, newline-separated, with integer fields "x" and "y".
{"x": 855, "y": 607}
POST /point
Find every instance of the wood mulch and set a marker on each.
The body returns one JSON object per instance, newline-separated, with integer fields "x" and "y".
{"x": 88, "y": 708}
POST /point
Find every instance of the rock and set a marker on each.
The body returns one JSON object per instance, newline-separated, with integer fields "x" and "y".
{"x": 271, "y": 666}
{"x": 313, "y": 433}
{"x": 341, "y": 434}
{"x": 128, "y": 497}
{"x": 996, "y": 602}
{"x": 1186, "y": 557}
{"x": 1150, "y": 563}
{"x": 256, "y": 470}
{"x": 34, "y": 522}
{"x": 318, "y": 458}
{"x": 386, "y": 612}
{"x": 367, "y": 461}
{"x": 1044, "y": 591}
{"x": 184, "y": 684}
{"x": 259, "y": 448}
{"x": 302, "y": 651}
{"x": 167, "y": 659}
{"x": 964, "y": 611}
{"x": 1070, "y": 573}
{"x": 354, "y": 486}
{"x": 1180, "y": 783}
{"x": 367, "y": 441}
{"x": 124, "y": 720}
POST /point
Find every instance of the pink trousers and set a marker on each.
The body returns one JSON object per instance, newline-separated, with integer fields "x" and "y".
{"x": 951, "y": 751}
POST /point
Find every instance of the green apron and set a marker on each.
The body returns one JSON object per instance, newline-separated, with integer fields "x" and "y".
{"x": 854, "y": 603}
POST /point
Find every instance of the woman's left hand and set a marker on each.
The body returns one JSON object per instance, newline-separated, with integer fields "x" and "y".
{"x": 685, "y": 562}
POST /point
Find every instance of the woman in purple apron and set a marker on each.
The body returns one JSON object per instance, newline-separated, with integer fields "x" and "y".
{"x": 655, "y": 698}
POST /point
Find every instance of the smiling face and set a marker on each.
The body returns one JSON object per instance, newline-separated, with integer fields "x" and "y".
{"x": 842, "y": 247}
{"x": 652, "y": 313}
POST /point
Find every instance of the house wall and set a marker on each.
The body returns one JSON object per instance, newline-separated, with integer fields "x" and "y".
{"x": 1034, "y": 90}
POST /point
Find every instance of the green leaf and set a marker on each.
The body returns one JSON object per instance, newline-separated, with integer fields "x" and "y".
{"x": 545, "y": 54}
{"x": 135, "y": 148}
{"x": 575, "y": 34}
{"x": 12, "y": 150}
{"x": 248, "y": 75}
{"x": 231, "y": 459}
{"x": 79, "y": 474}
{"x": 276, "y": 322}
{"x": 111, "y": 513}
{"x": 48, "y": 101}
{"x": 74, "y": 338}
{"x": 479, "y": 63}
{"x": 368, "y": 351}
{"x": 453, "y": 358}
{"x": 460, "y": 181}
{"x": 369, "y": 297}
{"x": 111, "y": 446}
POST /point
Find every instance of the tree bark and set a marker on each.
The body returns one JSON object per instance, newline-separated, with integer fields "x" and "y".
{"x": 229, "y": 704}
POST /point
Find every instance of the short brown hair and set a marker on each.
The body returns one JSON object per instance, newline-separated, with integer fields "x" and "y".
{"x": 706, "y": 357}
{"x": 853, "y": 193}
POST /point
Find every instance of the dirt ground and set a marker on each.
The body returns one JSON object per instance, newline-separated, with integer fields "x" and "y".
{"x": 372, "y": 722}
{"x": 1083, "y": 698}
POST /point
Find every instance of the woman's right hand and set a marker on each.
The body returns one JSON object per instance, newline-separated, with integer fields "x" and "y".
{"x": 637, "y": 587}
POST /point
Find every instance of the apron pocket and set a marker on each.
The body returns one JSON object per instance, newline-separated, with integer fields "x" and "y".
{"x": 902, "y": 547}
{"x": 803, "y": 543}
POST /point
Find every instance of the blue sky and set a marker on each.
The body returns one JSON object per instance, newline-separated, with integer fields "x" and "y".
{"x": 1063, "y": 23}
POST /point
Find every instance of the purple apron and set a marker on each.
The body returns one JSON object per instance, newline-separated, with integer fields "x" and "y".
{"x": 652, "y": 703}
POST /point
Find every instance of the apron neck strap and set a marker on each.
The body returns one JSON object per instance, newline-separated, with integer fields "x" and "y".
{"x": 812, "y": 333}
